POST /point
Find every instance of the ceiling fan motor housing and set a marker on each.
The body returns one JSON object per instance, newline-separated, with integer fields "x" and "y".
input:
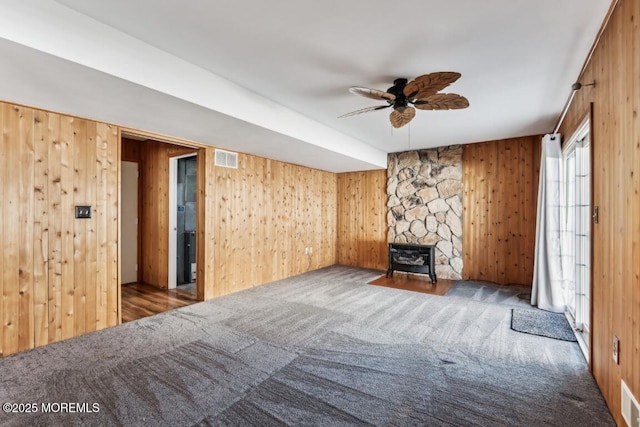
{"x": 401, "y": 102}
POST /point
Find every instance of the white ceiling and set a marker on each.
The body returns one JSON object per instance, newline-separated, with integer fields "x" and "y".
{"x": 271, "y": 77}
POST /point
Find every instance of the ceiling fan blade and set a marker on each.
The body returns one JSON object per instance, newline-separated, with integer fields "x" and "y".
{"x": 399, "y": 119}
{"x": 442, "y": 101}
{"x": 372, "y": 93}
{"x": 429, "y": 84}
{"x": 365, "y": 110}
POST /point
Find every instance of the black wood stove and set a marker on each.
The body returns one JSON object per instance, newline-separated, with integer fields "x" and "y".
{"x": 412, "y": 258}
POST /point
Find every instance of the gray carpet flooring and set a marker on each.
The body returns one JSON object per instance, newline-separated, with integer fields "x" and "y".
{"x": 323, "y": 348}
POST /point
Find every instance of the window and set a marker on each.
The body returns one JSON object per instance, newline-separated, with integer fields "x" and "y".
{"x": 576, "y": 231}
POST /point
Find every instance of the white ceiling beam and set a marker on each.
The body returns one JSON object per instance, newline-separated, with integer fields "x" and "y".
{"x": 57, "y": 30}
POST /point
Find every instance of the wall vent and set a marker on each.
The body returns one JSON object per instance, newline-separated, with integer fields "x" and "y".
{"x": 630, "y": 407}
{"x": 226, "y": 159}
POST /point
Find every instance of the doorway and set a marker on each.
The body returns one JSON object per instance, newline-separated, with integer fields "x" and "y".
{"x": 154, "y": 171}
{"x": 129, "y": 216}
{"x": 576, "y": 236}
{"x": 183, "y": 171}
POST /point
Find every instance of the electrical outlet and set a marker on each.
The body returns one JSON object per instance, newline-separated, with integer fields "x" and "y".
{"x": 310, "y": 250}
{"x": 616, "y": 350}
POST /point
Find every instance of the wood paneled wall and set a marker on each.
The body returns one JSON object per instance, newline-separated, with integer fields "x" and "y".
{"x": 500, "y": 189}
{"x": 59, "y": 275}
{"x": 206, "y": 225}
{"x": 615, "y": 67}
{"x": 500, "y": 180}
{"x": 266, "y": 214}
{"x": 154, "y": 183}
{"x": 362, "y": 219}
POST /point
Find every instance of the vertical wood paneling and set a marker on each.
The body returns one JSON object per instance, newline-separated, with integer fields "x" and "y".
{"x": 102, "y": 226}
{"x": 154, "y": 180}
{"x": 52, "y": 264}
{"x": 113, "y": 227}
{"x": 154, "y": 220}
{"x": 632, "y": 291}
{"x": 80, "y": 197}
{"x": 266, "y": 213}
{"x": 362, "y": 220}
{"x": 615, "y": 99}
{"x": 499, "y": 201}
{"x": 11, "y": 223}
{"x": 57, "y": 141}
{"x": 147, "y": 235}
{"x": 206, "y": 224}
{"x": 40, "y": 230}
{"x": 131, "y": 151}
{"x": 90, "y": 304}
{"x": 4, "y": 158}
{"x": 63, "y": 265}
{"x": 619, "y": 176}
{"x": 161, "y": 209}
{"x": 101, "y": 262}
{"x": 479, "y": 219}
{"x": 26, "y": 206}
{"x": 329, "y": 202}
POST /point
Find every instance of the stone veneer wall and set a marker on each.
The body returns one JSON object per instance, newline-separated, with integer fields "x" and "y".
{"x": 424, "y": 190}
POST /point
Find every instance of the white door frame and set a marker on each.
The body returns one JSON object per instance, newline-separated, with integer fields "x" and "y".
{"x": 581, "y": 317}
{"x": 173, "y": 219}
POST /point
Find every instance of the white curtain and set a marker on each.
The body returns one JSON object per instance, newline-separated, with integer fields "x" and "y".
{"x": 548, "y": 283}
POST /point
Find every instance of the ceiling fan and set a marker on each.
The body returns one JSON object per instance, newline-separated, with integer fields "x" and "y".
{"x": 421, "y": 93}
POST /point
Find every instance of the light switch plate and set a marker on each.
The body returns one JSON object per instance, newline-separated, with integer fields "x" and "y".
{"x": 83, "y": 211}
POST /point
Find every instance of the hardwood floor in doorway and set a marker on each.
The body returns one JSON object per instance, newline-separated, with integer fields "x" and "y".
{"x": 140, "y": 300}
